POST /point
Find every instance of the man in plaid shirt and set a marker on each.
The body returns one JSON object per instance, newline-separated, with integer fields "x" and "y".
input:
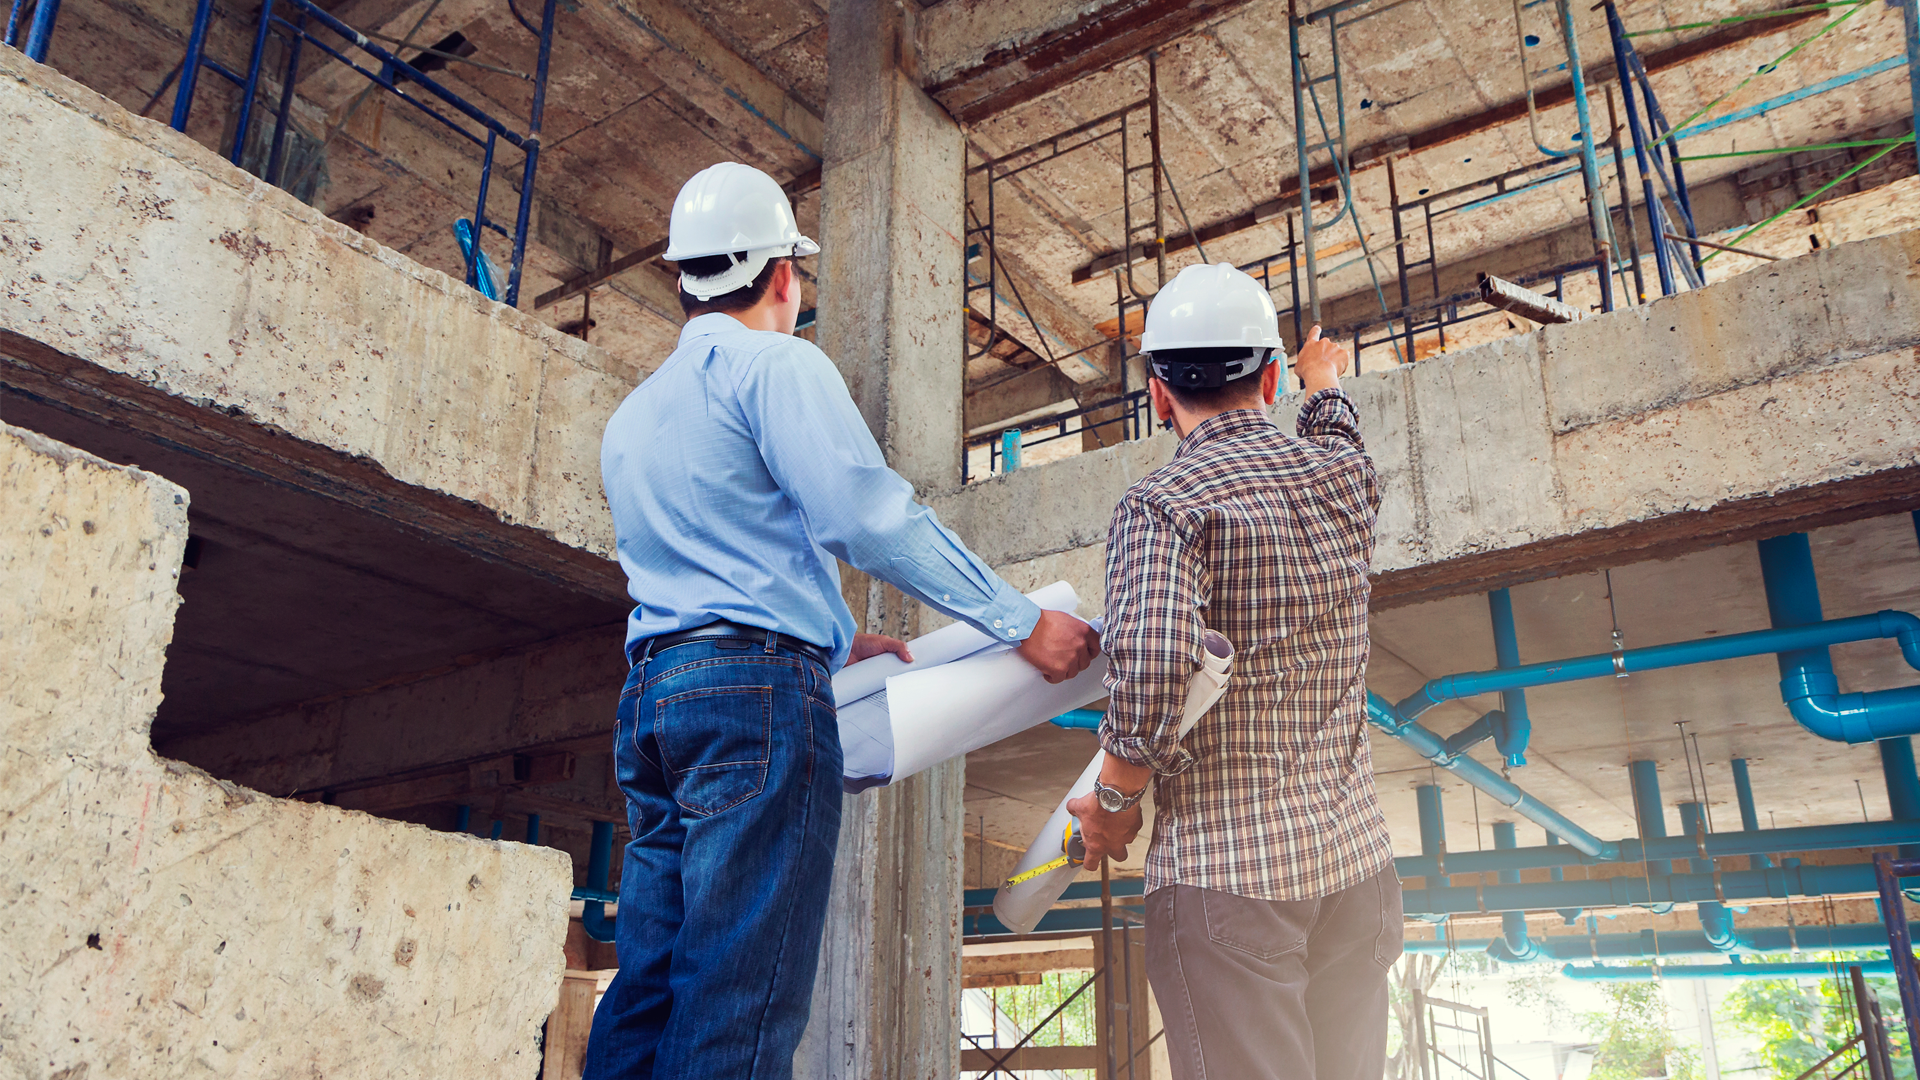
{"x": 1273, "y": 910}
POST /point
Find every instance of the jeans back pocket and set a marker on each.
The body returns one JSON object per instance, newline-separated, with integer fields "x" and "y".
{"x": 714, "y": 744}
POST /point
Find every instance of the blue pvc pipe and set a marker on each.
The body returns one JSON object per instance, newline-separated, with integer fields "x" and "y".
{"x": 1504, "y": 791}
{"x": 533, "y": 828}
{"x": 463, "y": 818}
{"x": 1807, "y": 682}
{"x": 1647, "y": 808}
{"x": 1716, "y": 920}
{"x": 1898, "y": 625}
{"x": 1732, "y": 885}
{"x": 1513, "y": 728}
{"x": 1749, "y": 815}
{"x": 1513, "y": 945}
{"x": 1080, "y": 719}
{"x": 1810, "y": 969}
{"x": 593, "y": 917}
{"x": 1859, "y": 834}
{"x": 1643, "y": 945}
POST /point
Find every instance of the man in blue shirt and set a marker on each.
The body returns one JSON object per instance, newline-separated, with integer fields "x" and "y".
{"x": 738, "y": 474}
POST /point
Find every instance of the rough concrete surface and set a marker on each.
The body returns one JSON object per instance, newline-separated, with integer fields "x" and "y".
{"x": 155, "y": 922}
{"x": 1781, "y": 397}
{"x": 132, "y": 248}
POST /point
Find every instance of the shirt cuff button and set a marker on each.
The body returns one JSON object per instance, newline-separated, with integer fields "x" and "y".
{"x": 946, "y": 596}
{"x": 996, "y": 622}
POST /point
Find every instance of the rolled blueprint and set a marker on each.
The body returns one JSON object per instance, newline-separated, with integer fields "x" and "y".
{"x": 1020, "y": 906}
{"x": 963, "y": 691}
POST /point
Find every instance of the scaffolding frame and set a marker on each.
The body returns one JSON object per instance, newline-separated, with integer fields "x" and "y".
{"x": 392, "y": 74}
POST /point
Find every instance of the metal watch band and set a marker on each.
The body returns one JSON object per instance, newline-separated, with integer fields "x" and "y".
{"x": 1127, "y": 802}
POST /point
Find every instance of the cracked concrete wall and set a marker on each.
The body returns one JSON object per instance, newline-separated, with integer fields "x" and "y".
{"x": 1780, "y": 399}
{"x": 138, "y": 261}
{"x": 157, "y": 922}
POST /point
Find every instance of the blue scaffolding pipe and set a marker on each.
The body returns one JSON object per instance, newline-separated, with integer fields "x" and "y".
{"x": 392, "y": 74}
{"x": 1597, "y": 216}
{"x": 1761, "y": 940}
{"x": 39, "y": 32}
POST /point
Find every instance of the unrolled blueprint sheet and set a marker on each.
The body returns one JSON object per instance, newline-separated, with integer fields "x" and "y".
{"x": 963, "y": 691}
{"x": 1020, "y": 906}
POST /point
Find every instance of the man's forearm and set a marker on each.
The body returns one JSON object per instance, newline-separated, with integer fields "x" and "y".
{"x": 1124, "y": 776}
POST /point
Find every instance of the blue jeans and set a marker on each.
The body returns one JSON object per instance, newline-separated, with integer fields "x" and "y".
{"x": 729, "y": 754}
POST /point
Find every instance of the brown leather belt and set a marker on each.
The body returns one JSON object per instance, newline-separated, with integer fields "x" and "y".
{"x": 722, "y": 630}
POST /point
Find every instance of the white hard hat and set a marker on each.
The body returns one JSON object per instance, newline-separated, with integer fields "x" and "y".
{"x": 729, "y": 208}
{"x": 1211, "y": 307}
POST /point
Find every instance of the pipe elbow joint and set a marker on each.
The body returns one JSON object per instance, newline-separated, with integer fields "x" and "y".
{"x": 595, "y": 921}
{"x": 1814, "y": 699}
{"x": 1503, "y": 950}
{"x": 1433, "y": 693}
{"x": 1904, "y": 628}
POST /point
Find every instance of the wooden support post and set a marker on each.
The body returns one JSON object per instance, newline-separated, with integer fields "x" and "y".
{"x": 567, "y": 1028}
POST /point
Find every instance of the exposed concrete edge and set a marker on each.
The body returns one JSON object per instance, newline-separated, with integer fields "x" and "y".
{"x": 539, "y": 501}
{"x": 205, "y": 428}
{"x": 1526, "y": 457}
{"x": 161, "y": 908}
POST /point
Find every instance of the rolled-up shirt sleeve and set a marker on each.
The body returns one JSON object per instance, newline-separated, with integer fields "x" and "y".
{"x": 1152, "y": 636}
{"x": 1329, "y": 414}
{"x": 818, "y": 449}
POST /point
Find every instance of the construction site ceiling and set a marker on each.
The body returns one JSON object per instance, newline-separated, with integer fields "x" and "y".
{"x": 1433, "y": 88}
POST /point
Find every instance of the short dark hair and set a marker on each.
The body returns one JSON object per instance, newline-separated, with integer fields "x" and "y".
{"x": 1241, "y": 393}
{"x": 739, "y": 299}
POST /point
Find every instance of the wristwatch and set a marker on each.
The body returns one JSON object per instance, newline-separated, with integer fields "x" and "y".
{"x": 1112, "y": 801}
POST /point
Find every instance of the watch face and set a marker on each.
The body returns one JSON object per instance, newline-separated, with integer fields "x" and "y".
{"x": 1112, "y": 801}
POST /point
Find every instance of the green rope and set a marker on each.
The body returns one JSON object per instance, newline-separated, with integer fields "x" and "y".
{"x": 1797, "y": 149}
{"x": 1736, "y": 241}
{"x": 1759, "y": 71}
{"x": 1807, "y": 10}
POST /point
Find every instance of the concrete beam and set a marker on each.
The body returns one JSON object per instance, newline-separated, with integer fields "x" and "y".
{"x": 709, "y": 73}
{"x": 982, "y": 57}
{"x": 171, "y": 909}
{"x": 193, "y": 302}
{"x": 1781, "y": 399}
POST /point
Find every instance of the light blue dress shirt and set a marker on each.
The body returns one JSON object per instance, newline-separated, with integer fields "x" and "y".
{"x": 740, "y": 469}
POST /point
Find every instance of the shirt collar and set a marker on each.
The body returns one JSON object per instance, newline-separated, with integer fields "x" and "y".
{"x": 713, "y": 322}
{"x": 1229, "y": 423}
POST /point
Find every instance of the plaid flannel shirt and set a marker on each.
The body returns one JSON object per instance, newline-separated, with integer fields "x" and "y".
{"x": 1266, "y": 539}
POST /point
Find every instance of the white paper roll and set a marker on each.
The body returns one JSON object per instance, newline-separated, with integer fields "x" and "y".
{"x": 962, "y": 691}
{"x": 1020, "y": 907}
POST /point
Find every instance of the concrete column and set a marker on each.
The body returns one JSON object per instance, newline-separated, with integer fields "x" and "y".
{"x": 892, "y": 216}
{"x": 886, "y": 1000}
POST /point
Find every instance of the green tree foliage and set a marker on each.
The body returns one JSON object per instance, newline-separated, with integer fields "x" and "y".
{"x": 1799, "y": 1023}
{"x": 1634, "y": 1038}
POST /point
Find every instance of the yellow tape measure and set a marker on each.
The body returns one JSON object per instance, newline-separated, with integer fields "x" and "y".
{"x": 1068, "y": 843}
